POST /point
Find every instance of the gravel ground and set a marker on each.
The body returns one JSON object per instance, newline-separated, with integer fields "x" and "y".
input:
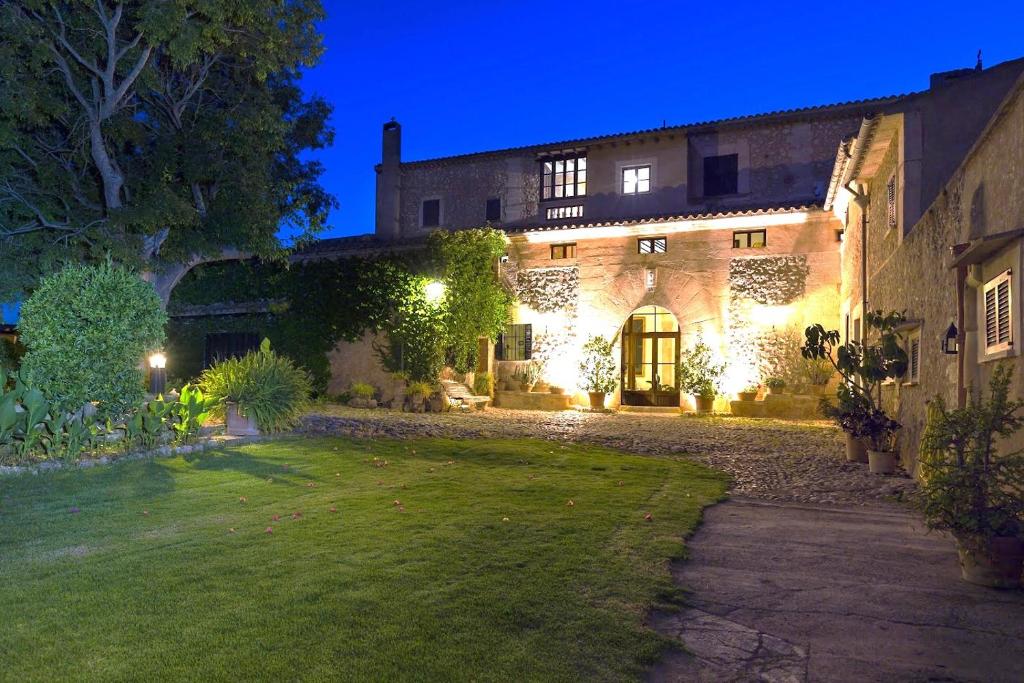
{"x": 774, "y": 460}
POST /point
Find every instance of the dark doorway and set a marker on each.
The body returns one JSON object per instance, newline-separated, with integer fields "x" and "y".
{"x": 224, "y": 345}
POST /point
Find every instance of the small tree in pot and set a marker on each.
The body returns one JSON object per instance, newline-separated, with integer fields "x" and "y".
{"x": 864, "y": 367}
{"x": 972, "y": 491}
{"x": 700, "y": 375}
{"x": 598, "y": 375}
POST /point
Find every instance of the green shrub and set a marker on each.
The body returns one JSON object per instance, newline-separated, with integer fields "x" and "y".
{"x": 698, "y": 372}
{"x": 597, "y": 369}
{"x": 87, "y": 330}
{"x": 264, "y": 385}
{"x": 483, "y": 384}
{"x": 422, "y": 390}
{"x": 31, "y": 427}
{"x": 10, "y": 355}
{"x": 361, "y": 390}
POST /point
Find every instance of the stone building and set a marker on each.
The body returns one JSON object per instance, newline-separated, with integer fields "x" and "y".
{"x": 934, "y": 223}
{"x": 729, "y": 231}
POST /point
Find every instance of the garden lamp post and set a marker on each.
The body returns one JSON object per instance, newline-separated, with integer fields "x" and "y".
{"x": 157, "y": 373}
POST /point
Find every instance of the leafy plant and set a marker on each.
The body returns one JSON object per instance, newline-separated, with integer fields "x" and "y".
{"x": 698, "y": 372}
{"x": 775, "y": 383}
{"x": 31, "y": 426}
{"x": 192, "y": 409}
{"x": 419, "y": 390}
{"x": 361, "y": 390}
{"x": 598, "y": 372}
{"x": 11, "y": 352}
{"x": 86, "y": 329}
{"x": 967, "y": 486}
{"x": 148, "y": 425}
{"x": 262, "y": 384}
{"x": 864, "y": 367}
{"x": 483, "y": 384}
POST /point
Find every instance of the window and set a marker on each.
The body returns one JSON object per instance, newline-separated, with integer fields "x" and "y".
{"x": 914, "y": 357}
{"x": 636, "y": 179}
{"x": 721, "y": 175}
{"x": 998, "y": 313}
{"x": 890, "y": 203}
{"x": 749, "y": 239}
{"x": 515, "y": 343}
{"x": 493, "y": 210}
{"x": 652, "y": 245}
{"x": 431, "y": 213}
{"x": 561, "y": 251}
{"x": 556, "y": 212}
{"x": 564, "y": 177}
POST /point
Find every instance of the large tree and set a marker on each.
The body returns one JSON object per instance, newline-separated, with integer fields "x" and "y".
{"x": 161, "y": 132}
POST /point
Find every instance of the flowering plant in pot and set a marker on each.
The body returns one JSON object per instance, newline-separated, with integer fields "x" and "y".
{"x": 973, "y": 489}
{"x": 700, "y": 375}
{"x": 749, "y": 392}
{"x": 776, "y": 385}
{"x": 598, "y": 374}
{"x": 864, "y": 367}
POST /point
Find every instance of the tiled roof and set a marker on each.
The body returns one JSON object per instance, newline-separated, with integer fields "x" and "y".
{"x": 665, "y": 218}
{"x": 764, "y": 117}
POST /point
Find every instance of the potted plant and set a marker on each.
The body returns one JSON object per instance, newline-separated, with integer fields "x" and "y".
{"x": 848, "y": 414}
{"x": 699, "y": 375}
{"x": 749, "y": 392}
{"x": 418, "y": 393}
{"x": 530, "y": 375}
{"x": 598, "y": 373}
{"x": 864, "y": 367}
{"x": 776, "y": 385}
{"x": 971, "y": 488}
{"x": 556, "y": 390}
{"x": 362, "y": 395}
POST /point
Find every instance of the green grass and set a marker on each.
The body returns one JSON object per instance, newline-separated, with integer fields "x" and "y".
{"x": 439, "y": 589}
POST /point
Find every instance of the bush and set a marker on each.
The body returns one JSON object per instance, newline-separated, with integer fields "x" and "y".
{"x": 361, "y": 390}
{"x": 264, "y": 385}
{"x": 87, "y": 330}
{"x": 10, "y": 355}
{"x": 423, "y": 390}
{"x": 698, "y": 373}
{"x": 483, "y": 384}
{"x": 597, "y": 369}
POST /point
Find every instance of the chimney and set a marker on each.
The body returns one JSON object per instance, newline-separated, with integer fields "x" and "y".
{"x": 389, "y": 182}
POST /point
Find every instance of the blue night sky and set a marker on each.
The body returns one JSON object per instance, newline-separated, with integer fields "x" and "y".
{"x": 467, "y": 76}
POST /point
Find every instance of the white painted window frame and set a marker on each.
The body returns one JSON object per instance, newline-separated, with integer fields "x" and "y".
{"x": 913, "y": 375}
{"x": 993, "y": 285}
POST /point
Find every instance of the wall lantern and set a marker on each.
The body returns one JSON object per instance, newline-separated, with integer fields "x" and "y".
{"x": 157, "y": 373}
{"x": 434, "y": 291}
{"x": 949, "y": 343}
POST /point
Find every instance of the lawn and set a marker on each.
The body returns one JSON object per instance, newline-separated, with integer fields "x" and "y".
{"x": 346, "y": 559}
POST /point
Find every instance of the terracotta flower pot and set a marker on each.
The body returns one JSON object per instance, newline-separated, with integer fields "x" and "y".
{"x": 748, "y": 395}
{"x": 704, "y": 403}
{"x": 881, "y": 462}
{"x": 238, "y": 424}
{"x": 856, "y": 451}
{"x": 776, "y": 390}
{"x": 597, "y": 399}
{"x": 995, "y": 563}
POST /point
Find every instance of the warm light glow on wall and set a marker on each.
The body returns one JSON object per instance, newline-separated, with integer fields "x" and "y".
{"x": 770, "y": 316}
{"x": 434, "y": 291}
{"x": 667, "y": 227}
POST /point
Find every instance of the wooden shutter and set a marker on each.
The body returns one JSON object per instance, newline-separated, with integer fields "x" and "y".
{"x": 527, "y": 342}
{"x": 998, "y": 299}
{"x": 890, "y": 202}
{"x": 915, "y": 359}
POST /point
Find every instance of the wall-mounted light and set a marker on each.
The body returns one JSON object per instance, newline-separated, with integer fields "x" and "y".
{"x": 949, "y": 343}
{"x": 157, "y": 373}
{"x": 434, "y": 291}
{"x": 650, "y": 279}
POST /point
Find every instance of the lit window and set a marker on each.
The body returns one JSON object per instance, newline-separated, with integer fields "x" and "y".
{"x": 721, "y": 175}
{"x": 563, "y": 251}
{"x": 636, "y": 180}
{"x": 515, "y": 343}
{"x": 563, "y": 177}
{"x": 556, "y": 212}
{"x": 914, "y": 356}
{"x": 998, "y": 313}
{"x": 431, "y": 213}
{"x": 890, "y": 202}
{"x": 749, "y": 239}
{"x": 493, "y": 210}
{"x": 652, "y": 245}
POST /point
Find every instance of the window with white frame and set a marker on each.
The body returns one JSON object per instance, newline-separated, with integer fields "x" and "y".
{"x": 652, "y": 245}
{"x": 890, "y": 203}
{"x": 913, "y": 375}
{"x": 563, "y": 177}
{"x": 556, "y": 212}
{"x": 636, "y": 179}
{"x": 998, "y": 310}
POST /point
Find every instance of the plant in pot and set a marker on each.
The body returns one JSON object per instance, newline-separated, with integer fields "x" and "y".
{"x": 362, "y": 395}
{"x": 864, "y": 367}
{"x": 848, "y": 413}
{"x": 973, "y": 489}
{"x": 700, "y": 375}
{"x": 259, "y": 392}
{"x": 598, "y": 374}
{"x": 418, "y": 393}
{"x": 776, "y": 385}
{"x": 530, "y": 375}
{"x": 749, "y": 392}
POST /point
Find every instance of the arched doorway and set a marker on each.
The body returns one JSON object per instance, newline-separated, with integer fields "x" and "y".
{"x": 650, "y": 350}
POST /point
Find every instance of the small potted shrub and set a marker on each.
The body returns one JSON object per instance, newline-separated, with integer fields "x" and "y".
{"x": 749, "y": 392}
{"x": 971, "y": 489}
{"x": 483, "y": 384}
{"x": 699, "y": 375}
{"x": 362, "y": 395}
{"x": 879, "y": 431}
{"x": 531, "y": 375}
{"x": 776, "y": 385}
{"x": 598, "y": 374}
{"x": 259, "y": 392}
{"x": 848, "y": 414}
{"x": 418, "y": 393}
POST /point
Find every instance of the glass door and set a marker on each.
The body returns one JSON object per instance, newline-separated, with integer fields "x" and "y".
{"x": 650, "y": 349}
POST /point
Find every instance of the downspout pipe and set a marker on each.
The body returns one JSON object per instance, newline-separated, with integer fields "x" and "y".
{"x": 861, "y": 200}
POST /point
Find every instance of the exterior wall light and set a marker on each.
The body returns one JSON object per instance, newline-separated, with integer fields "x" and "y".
{"x": 949, "y": 343}
{"x": 435, "y": 291}
{"x": 157, "y": 373}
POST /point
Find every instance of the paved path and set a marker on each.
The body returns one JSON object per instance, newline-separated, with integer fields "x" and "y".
{"x": 789, "y": 592}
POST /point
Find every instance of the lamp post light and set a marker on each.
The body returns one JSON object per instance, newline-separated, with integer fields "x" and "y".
{"x": 434, "y": 291}
{"x": 950, "y": 342}
{"x": 157, "y": 373}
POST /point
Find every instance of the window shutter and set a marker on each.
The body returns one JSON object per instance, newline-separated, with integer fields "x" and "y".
{"x": 991, "y": 324}
{"x": 890, "y": 202}
{"x": 915, "y": 359}
{"x": 998, "y": 301}
{"x": 528, "y": 342}
{"x": 1003, "y": 311}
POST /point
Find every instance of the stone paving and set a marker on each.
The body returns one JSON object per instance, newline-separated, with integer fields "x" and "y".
{"x": 771, "y": 460}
